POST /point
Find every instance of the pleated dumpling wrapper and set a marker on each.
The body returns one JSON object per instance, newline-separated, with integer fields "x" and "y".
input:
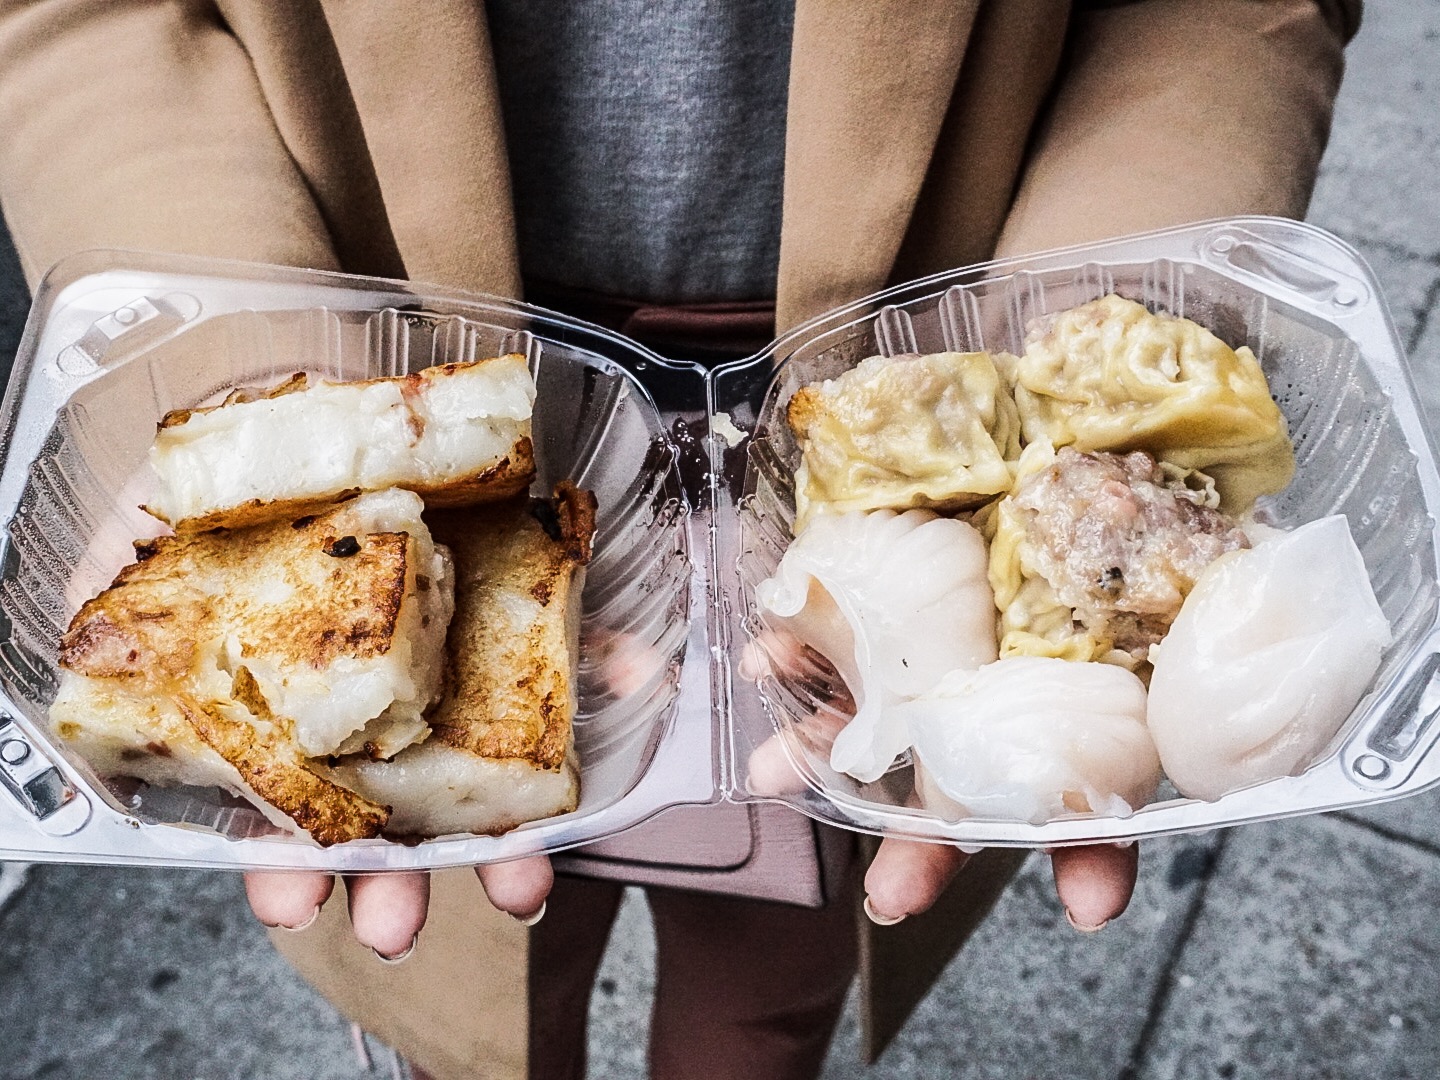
{"x": 1030, "y": 738}
{"x": 893, "y": 601}
{"x": 1110, "y": 375}
{"x": 1091, "y": 555}
{"x": 905, "y": 431}
{"x": 456, "y": 434}
{"x": 1270, "y": 653}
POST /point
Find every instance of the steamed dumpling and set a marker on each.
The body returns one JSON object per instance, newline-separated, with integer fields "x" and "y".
{"x": 1269, "y": 655}
{"x": 1032, "y": 738}
{"x": 905, "y": 431}
{"x": 893, "y": 601}
{"x": 1109, "y": 375}
{"x": 1034, "y": 621}
{"x": 1092, "y": 554}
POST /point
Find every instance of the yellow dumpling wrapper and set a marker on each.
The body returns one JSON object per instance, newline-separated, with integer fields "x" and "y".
{"x": 1110, "y": 375}
{"x": 1033, "y": 621}
{"x": 902, "y": 432}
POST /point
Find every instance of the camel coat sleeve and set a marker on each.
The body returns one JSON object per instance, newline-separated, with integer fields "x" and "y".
{"x": 1171, "y": 111}
{"x": 142, "y": 125}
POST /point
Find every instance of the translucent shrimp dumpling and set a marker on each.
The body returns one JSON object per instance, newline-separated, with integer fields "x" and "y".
{"x": 894, "y": 601}
{"x": 1031, "y": 738}
{"x": 904, "y": 431}
{"x": 1270, "y": 653}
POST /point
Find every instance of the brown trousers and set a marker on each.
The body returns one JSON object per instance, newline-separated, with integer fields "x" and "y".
{"x": 743, "y": 988}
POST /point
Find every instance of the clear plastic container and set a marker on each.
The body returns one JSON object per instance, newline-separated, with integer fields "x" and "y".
{"x": 695, "y": 506}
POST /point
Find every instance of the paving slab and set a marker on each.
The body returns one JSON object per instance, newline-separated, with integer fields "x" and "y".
{"x": 1424, "y": 352}
{"x": 1415, "y": 819}
{"x": 1025, "y": 962}
{"x": 1378, "y": 179}
{"x": 1410, "y": 282}
{"x": 154, "y": 975}
{"x": 1030, "y": 997}
{"x": 1316, "y": 955}
{"x": 624, "y": 988}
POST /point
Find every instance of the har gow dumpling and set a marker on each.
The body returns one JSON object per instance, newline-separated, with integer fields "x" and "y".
{"x": 1270, "y": 653}
{"x": 893, "y": 601}
{"x": 1031, "y": 738}
{"x": 905, "y": 431}
{"x": 1110, "y": 375}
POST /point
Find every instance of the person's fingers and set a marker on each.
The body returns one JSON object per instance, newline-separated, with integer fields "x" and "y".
{"x": 754, "y": 664}
{"x": 519, "y": 888}
{"x": 770, "y": 771}
{"x": 388, "y": 910}
{"x": 626, "y": 663}
{"x": 287, "y": 899}
{"x": 1094, "y": 882}
{"x": 767, "y": 653}
{"x": 908, "y": 876}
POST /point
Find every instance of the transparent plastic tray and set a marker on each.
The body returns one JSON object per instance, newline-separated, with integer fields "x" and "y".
{"x": 692, "y": 472}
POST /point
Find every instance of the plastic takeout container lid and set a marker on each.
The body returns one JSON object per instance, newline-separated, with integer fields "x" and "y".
{"x": 692, "y": 471}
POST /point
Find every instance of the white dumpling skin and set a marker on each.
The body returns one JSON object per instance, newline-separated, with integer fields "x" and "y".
{"x": 1031, "y": 738}
{"x": 1268, "y": 656}
{"x": 893, "y": 601}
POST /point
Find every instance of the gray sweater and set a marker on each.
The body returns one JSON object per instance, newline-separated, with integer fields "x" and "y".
{"x": 646, "y": 141}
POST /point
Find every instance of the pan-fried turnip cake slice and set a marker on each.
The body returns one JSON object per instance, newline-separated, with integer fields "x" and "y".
{"x": 502, "y": 751}
{"x": 456, "y": 434}
{"x": 261, "y": 647}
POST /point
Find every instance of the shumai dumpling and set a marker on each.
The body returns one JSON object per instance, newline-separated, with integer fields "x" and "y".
{"x": 903, "y": 432}
{"x": 1033, "y": 620}
{"x": 1110, "y": 375}
{"x": 1092, "y": 555}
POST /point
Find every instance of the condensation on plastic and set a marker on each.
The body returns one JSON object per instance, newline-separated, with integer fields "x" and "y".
{"x": 689, "y": 523}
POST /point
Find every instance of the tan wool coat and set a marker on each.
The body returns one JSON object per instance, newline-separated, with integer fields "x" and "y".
{"x": 365, "y": 135}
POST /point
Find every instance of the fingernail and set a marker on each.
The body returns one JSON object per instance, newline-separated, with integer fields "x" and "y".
{"x": 298, "y": 926}
{"x": 398, "y": 958}
{"x": 878, "y": 919}
{"x": 1123, "y": 844}
{"x": 533, "y": 918}
{"x": 1085, "y": 929}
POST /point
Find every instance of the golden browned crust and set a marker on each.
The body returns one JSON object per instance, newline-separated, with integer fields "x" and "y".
{"x": 149, "y": 622}
{"x": 507, "y": 478}
{"x": 148, "y": 636}
{"x": 255, "y": 512}
{"x": 409, "y": 384}
{"x": 239, "y": 396}
{"x": 503, "y": 480}
{"x": 510, "y": 689}
{"x": 357, "y": 617}
{"x": 576, "y": 511}
{"x": 277, "y": 773}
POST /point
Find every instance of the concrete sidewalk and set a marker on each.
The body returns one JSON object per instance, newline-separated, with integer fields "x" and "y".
{"x": 1308, "y": 948}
